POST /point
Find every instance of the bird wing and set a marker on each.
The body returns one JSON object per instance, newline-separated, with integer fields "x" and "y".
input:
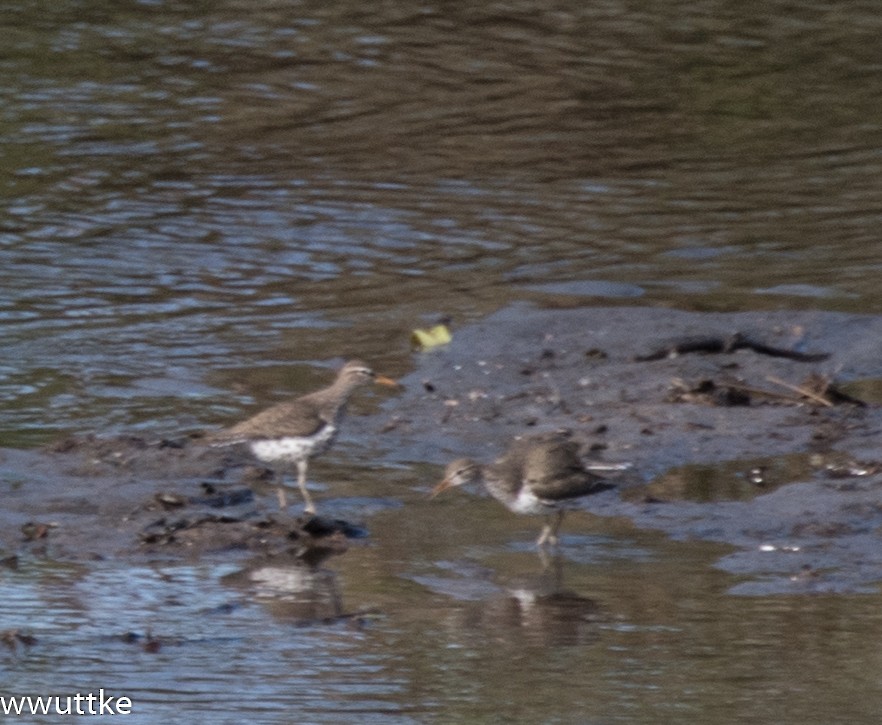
{"x": 554, "y": 472}
{"x": 291, "y": 418}
{"x": 574, "y": 484}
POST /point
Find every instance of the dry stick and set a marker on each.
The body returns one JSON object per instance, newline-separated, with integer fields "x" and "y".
{"x": 802, "y": 391}
{"x": 759, "y": 391}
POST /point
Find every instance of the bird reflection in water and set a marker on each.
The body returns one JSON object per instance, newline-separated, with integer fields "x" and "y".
{"x": 537, "y": 609}
{"x": 294, "y": 585}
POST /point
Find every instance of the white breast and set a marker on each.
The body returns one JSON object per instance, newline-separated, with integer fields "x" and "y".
{"x": 291, "y": 448}
{"x": 527, "y": 502}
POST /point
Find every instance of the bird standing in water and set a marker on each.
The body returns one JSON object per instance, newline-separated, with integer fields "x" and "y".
{"x": 297, "y": 430}
{"x": 535, "y": 476}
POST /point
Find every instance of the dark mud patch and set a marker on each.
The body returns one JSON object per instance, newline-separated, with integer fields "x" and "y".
{"x": 131, "y": 496}
{"x": 775, "y": 432}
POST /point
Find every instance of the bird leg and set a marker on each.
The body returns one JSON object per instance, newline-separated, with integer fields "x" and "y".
{"x": 280, "y": 492}
{"x": 301, "y": 481}
{"x": 549, "y": 531}
{"x": 544, "y": 536}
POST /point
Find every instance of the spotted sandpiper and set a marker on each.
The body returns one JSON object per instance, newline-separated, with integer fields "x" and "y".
{"x": 536, "y": 476}
{"x": 297, "y": 430}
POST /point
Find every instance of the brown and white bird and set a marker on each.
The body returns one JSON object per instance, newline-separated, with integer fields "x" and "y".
{"x": 296, "y": 430}
{"x": 536, "y": 476}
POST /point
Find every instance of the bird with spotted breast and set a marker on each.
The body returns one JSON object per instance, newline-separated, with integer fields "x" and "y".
{"x": 542, "y": 475}
{"x": 294, "y": 431}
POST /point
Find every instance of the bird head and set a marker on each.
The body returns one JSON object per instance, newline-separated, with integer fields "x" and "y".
{"x": 458, "y": 473}
{"x": 355, "y": 372}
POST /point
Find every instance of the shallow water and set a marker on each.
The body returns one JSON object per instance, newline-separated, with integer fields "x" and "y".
{"x": 204, "y": 205}
{"x": 638, "y": 630}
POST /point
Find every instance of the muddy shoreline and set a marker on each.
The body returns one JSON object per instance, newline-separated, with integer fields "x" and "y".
{"x": 722, "y": 445}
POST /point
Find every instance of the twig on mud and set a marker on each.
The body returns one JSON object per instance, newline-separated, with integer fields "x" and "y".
{"x": 801, "y": 390}
{"x": 751, "y": 390}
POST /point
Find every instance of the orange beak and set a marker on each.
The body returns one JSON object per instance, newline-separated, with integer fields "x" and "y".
{"x": 443, "y": 486}
{"x": 383, "y": 380}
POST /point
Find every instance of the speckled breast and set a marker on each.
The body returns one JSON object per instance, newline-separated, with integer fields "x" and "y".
{"x": 293, "y": 448}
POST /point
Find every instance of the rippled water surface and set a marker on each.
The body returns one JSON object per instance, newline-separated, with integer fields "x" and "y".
{"x": 202, "y": 204}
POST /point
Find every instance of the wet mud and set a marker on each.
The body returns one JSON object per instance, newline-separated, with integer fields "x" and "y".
{"x": 768, "y": 445}
{"x": 154, "y": 499}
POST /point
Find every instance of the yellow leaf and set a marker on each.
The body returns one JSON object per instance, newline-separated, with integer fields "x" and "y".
{"x": 433, "y": 337}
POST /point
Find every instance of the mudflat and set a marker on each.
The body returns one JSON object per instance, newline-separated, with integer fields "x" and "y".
{"x": 756, "y": 429}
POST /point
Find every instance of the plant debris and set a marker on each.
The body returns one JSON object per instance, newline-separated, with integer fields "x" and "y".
{"x": 709, "y": 344}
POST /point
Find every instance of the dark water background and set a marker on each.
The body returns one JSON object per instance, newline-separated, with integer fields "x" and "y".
{"x": 202, "y": 204}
